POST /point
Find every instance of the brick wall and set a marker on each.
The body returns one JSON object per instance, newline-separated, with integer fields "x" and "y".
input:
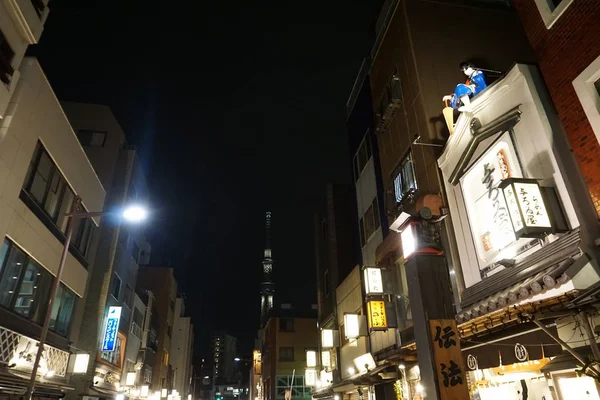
{"x": 563, "y": 52}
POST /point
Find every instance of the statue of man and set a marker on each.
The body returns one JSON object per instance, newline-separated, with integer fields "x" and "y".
{"x": 461, "y": 99}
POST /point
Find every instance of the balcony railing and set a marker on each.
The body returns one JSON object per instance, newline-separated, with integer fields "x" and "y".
{"x": 19, "y": 351}
{"x": 391, "y": 102}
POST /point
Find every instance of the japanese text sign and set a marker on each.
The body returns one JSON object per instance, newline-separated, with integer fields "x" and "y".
{"x": 377, "y": 316}
{"x": 445, "y": 342}
{"x": 109, "y": 339}
{"x": 373, "y": 281}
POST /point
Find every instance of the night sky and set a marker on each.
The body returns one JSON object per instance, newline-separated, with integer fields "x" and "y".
{"x": 236, "y": 108}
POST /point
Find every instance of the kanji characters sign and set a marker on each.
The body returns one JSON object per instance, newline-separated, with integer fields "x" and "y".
{"x": 377, "y": 317}
{"x": 448, "y": 359}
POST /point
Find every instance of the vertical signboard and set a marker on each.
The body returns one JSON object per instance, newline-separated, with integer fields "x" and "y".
{"x": 377, "y": 317}
{"x": 445, "y": 342}
{"x": 111, "y": 328}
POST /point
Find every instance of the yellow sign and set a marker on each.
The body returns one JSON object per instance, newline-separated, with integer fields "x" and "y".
{"x": 377, "y": 318}
{"x": 445, "y": 342}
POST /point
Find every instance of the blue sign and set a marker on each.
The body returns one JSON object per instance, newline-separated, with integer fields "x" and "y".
{"x": 109, "y": 339}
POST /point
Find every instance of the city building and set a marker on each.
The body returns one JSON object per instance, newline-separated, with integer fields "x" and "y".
{"x": 224, "y": 348}
{"x": 45, "y": 174}
{"x": 288, "y": 334}
{"x": 562, "y": 34}
{"x": 21, "y": 25}
{"x": 182, "y": 347}
{"x": 336, "y": 251}
{"x": 160, "y": 280}
{"x": 122, "y": 248}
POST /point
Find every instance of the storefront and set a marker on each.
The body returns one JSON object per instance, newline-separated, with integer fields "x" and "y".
{"x": 525, "y": 231}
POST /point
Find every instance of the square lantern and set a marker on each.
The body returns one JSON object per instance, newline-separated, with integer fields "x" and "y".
{"x": 311, "y": 358}
{"x": 310, "y": 377}
{"x": 80, "y": 365}
{"x": 421, "y": 236}
{"x": 373, "y": 281}
{"x": 326, "y": 359}
{"x": 377, "y": 315}
{"x": 528, "y": 211}
{"x": 351, "y": 326}
{"x": 329, "y": 338}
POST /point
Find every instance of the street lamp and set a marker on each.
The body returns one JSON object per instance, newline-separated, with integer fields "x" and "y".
{"x": 134, "y": 213}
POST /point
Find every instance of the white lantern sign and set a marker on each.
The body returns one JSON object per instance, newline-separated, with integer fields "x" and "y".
{"x": 311, "y": 358}
{"x": 373, "y": 281}
{"x": 351, "y": 326}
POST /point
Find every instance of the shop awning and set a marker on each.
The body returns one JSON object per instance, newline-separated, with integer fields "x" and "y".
{"x": 548, "y": 268}
{"x": 12, "y": 384}
{"x": 565, "y": 361}
{"x": 490, "y": 350}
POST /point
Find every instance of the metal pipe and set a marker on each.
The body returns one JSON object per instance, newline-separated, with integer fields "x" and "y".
{"x": 561, "y": 342}
{"x": 53, "y": 291}
{"x": 585, "y": 322}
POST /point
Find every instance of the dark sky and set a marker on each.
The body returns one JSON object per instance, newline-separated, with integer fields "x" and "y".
{"x": 236, "y": 107}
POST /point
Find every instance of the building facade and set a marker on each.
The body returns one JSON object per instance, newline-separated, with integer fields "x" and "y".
{"x": 161, "y": 282}
{"x": 562, "y": 34}
{"x": 289, "y": 334}
{"x": 44, "y": 173}
{"x": 112, "y": 286}
{"x": 224, "y": 348}
{"x": 182, "y": 347}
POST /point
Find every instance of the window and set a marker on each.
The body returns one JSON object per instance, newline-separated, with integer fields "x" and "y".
{"x": 48, "y": 190}
{"x": 172, "y": 305}
{"x": 153, "y": 339}
{"x": 6, "y": 56}
{"x": 91, "y": 138}
{"x": 587, "y": 87}
{"x": 147, "y": 374}
{"x": 138, "y": 322}
{"x": 361, "y": 225}
{"x": 115, "y": 287}
{"x": 113, "y": 357}
{"x": 363, "y": 156}
{"x": 370, "y": 221}
{"x": 25, "y": 289}
{"x": 169, "y": 330}
{"x": 127, "y": 296}
{"x": 405, "y": 183}
{"x": 326, "y": 283}
{"x": 286, "y": 354}
{"x": 165, "y": 357}
{"x": 286, "y": 324}
{"x": 551, "y": 10}
{"x": 62, "y": 308}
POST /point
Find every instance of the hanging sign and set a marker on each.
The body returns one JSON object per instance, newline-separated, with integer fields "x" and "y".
{"x": 471, "y": 362}
{"x": 109, "y": 339}
{"x": 448, "y": 359}
{"x": 377, "y": 316}
{"x": 373, "y": 281}
{"x": 521, "y": 352}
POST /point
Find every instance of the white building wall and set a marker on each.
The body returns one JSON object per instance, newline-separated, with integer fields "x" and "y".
{"x": 181, "y": 348}
{"x": 37, "y": 115}
{"x": 21, "y": 26}
{"x": 349, "y": 300}
{"x": 544, "y": 152}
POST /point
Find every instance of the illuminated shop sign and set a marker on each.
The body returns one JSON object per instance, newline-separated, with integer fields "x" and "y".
{"x": 377, "y": 316}
{"x": 109, "y": 339}
{"x": 373, "y": 281}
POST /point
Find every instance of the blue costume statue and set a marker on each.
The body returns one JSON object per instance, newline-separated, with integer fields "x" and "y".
{"x": 464, "y": 91}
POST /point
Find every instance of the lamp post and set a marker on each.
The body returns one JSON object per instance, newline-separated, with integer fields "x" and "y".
{"x": 132, "y": 213}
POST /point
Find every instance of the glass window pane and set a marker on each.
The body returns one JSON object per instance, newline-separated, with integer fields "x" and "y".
{"x": 65, "y": 207}
{"x": 369, "y": 222}
{"x": 362, "y": 232}
{"x": 375, "y": 213}
{"x": 27, "y": 288}
{"x": 3, "y": 253}
{"x": 61, "y": 311}
{"x": 11, "y": 274}
{"x": 362, "y": 157}
{"x": 56, "y": 187}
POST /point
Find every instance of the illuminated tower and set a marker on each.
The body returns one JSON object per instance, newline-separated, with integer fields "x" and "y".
{"x": 267, "y": 287}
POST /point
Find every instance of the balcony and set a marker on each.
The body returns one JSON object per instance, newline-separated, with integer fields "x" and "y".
{"x": 391, "y": 102}
{"x": 28, "y": 17}
{"x": 19, "y": 351}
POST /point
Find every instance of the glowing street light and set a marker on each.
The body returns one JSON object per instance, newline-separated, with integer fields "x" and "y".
{"x": 134, "y": 213}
